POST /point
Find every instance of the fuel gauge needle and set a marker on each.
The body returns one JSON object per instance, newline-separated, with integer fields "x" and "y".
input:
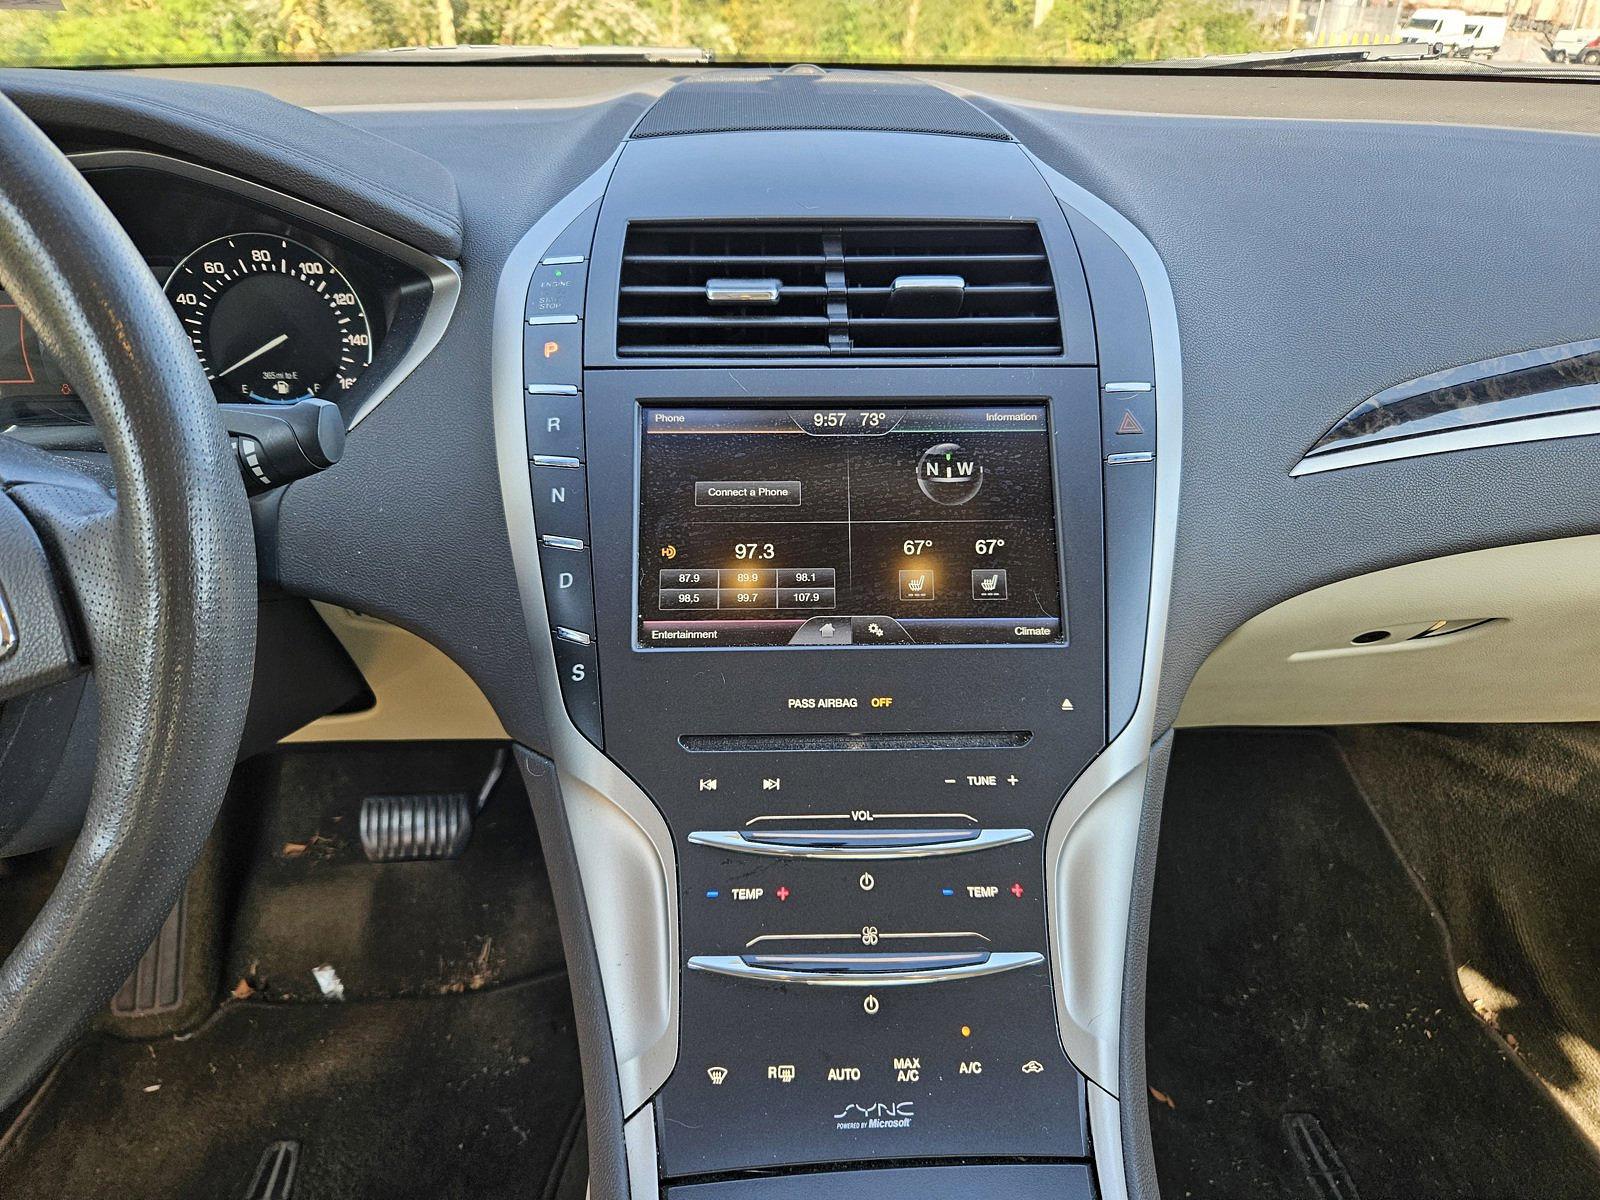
{"x": 255, "y": 354}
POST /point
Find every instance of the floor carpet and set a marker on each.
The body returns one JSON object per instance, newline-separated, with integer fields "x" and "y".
{"x": 1502, "y": 825}
{"x": 409, "y": 1099}
{"x": 309, "y": 898}
{"x": 1306, "y": 1035}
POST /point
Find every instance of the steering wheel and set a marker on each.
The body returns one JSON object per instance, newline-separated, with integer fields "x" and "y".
{"x": 152, "y": 587}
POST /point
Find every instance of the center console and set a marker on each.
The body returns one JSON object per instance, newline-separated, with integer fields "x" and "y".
{"x": 835, "y": 494}
{"x": 857, "y": 761}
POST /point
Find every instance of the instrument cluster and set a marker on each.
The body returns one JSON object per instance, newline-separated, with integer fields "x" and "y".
{"x": 279, "y": 305}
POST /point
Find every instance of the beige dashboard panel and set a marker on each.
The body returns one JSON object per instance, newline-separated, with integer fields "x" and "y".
{"x": 419, "y": 691}
{"x": 1535, "y": 656}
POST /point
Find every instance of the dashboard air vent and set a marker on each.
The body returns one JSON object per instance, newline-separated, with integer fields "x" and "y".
{"x": 865, "y": 290}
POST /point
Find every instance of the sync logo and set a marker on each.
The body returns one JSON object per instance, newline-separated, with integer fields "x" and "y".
{"x": 892, "y": 1115}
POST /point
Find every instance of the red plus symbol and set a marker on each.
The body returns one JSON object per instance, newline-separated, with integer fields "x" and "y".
{"x": 783, "y": 893}
{"x": 1016, "y": 890}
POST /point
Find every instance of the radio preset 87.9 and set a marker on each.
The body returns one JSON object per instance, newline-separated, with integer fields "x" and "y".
{"x": 839, "y": 526}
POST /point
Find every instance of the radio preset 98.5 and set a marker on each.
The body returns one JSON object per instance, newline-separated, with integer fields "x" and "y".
{"x": 847, "y": 526}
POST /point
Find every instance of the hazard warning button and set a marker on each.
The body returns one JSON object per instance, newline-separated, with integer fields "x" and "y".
{"x": 1128, "y": 421}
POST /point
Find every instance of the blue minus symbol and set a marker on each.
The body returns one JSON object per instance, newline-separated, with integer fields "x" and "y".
{"x": 713, "y": 894}
{"x": 947, "y": 891}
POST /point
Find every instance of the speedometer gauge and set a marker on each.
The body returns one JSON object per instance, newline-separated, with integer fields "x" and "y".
{"x": 271, "y": 320}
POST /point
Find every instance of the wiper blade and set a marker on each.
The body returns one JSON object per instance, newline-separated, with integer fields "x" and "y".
{"x": 1304, "y": 57}
{"x": 575, "y": 55}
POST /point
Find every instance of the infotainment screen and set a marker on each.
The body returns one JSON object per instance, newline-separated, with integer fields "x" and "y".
{"x": 847, "y": 525}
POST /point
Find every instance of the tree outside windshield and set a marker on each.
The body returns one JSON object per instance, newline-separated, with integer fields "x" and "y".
{"x": 929, "y": 32}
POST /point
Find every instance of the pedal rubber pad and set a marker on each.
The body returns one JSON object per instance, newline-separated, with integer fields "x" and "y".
{"x": 156, "y": 985}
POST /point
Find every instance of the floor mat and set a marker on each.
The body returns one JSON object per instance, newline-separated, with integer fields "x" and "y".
{"x": 1502, "y": 824}
{"x": 309, "y": 897}
{"x": 1305, "y": 1036}
{"x": 410, "y": 1099}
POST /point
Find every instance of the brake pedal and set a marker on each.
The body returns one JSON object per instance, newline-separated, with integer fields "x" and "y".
{"x": 416, "y": 828}
{"x": 274, "y": 1177}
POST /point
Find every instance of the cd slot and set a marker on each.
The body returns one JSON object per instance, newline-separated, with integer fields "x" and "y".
{"x": 778, "y": 743}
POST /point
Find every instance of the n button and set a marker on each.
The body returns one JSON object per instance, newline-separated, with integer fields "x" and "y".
{"x": 560, "y": 507}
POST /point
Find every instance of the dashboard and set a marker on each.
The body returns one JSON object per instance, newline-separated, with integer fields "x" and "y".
{"x": 839, "y": 545}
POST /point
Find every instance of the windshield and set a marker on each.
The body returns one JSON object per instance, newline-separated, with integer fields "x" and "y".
{"x": 1043, "y": 33}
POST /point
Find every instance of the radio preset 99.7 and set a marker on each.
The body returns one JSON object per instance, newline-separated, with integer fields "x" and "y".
{"x": 839, "y": 526}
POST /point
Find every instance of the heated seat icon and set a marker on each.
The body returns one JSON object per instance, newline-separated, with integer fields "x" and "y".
{"x": 989, "y": 583}
{"x": 916, "y": 585}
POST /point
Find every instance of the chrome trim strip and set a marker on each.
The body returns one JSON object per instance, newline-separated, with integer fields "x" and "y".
{"x": 1091, "y": 842}
{"x": 576, "y": 636}
{"x": 564, "y": 543}
{"x": 554, "y": 460}
{"x": 995, "y": 964}
{"x": 620, "y": 836}
{"x": 1133, "y": 456}
{"x": 559, "y": 319}
{"x": 639, "y": 1149}
{"x": 738, "y": 843}
{"x": 1125, "y": 387}
{"x": 1105, "y": 1122}
{"x": 552, "y": 389}
{"x": 444, "y": 278}
{"x": 743, "y": 291}
{"x": 1476, "y": 437}
{"x": 8, "y": 628}
{"x": 561, "y": 260}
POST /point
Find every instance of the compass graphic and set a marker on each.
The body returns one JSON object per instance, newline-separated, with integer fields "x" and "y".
{"x": 949, "y": 474}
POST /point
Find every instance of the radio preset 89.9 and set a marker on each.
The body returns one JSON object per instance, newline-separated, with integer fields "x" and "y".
{"x": 847, "y": 525}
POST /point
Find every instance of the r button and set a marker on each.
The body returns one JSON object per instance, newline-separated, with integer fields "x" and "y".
{"x": 555, "y": 425}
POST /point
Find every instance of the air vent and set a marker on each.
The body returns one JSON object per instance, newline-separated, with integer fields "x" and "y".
{"x": 870, "y": 290}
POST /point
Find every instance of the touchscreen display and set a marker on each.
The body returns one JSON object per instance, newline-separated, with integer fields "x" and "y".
{"x": 839, "y": 526}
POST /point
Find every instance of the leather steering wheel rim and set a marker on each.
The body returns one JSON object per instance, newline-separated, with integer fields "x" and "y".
{"x": 157, "y": 589}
